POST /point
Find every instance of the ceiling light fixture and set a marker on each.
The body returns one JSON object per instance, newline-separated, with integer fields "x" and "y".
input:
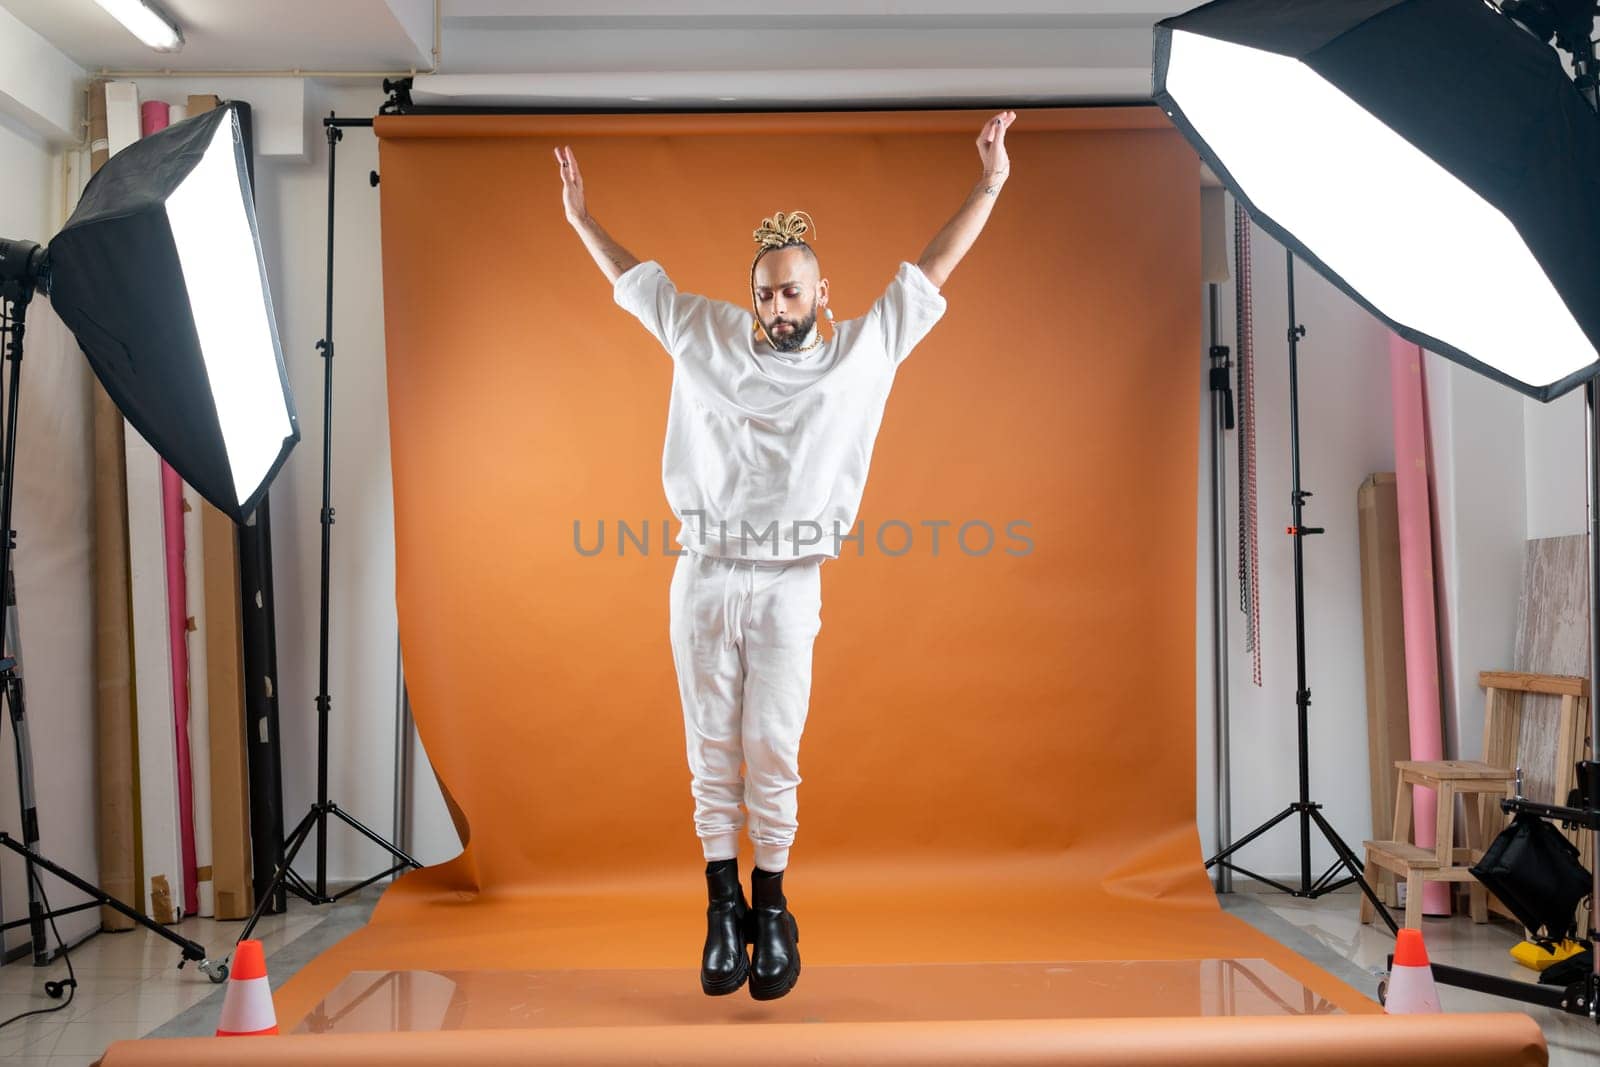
{"x": 147, "y": 22}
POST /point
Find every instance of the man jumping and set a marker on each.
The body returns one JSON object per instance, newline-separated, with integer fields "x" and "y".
{"x": 770, "y": 431}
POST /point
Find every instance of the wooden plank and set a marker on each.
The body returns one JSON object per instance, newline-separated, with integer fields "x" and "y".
{"x": 233, "y": 895}
{"x": 116, "y": 841}
{"x": 1383, "y": 631}
{"x": 1525, "y": 682}
{"x": 1462, "y": 772}
{"x": 1385, "y": 853}
{"x": 1552, "y": 638}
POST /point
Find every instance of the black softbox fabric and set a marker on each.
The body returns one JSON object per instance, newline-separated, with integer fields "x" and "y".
{"x": 1536, "y": 873}
{"x": 1466, "y": 86}
{"x": 116, "y": 281}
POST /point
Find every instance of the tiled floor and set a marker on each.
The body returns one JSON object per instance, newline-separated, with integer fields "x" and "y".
{"x": 1327, "y": 932}
{"x": 129, "y": 984}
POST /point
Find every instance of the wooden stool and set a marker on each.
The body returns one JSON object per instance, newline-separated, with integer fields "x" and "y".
{"x": 1444, "y": 862}
{"x": 1483, "y": 783}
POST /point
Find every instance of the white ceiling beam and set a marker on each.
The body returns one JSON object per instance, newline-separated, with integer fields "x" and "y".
{"x": 728, "y": 89}
{"x": 1129, "y": 12}
{"x": 39, "y": 85}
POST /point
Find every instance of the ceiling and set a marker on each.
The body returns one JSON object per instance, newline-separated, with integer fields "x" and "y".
{"x": 1099, "y": 41}
{"x": 230, "y": 34}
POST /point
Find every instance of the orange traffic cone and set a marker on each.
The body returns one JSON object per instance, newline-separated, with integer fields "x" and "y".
{"x": 247, "y": 1006}
{"x": 1411, "y": 990}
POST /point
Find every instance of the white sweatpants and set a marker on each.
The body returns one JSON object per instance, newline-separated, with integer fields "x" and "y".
{"x": 741, "y": 641}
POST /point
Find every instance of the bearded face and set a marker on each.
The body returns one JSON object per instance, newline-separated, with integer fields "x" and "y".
{"x": 789, "y": 332}
{"x": 787, "y": 293}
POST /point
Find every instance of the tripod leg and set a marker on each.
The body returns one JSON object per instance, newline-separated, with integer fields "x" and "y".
{"x": 398, "y": 868}
{"x": 191, "y": 950}
{"x": 1356, "y": 870}
{"x": 1251, "y": 836}
{"x": 291, "y": 849}
{"x": 299, "y": 886}
{"x": 356, "y": 825}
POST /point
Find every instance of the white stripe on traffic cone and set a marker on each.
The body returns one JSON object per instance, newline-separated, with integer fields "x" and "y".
{"x": 247, "y": 1006}
{"x": 1411, "y": 987}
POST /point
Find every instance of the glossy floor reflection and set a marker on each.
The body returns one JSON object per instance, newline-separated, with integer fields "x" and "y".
{"x": 371, "y": 1001}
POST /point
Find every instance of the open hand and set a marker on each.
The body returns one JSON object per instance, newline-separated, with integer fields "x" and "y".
{"x": 992, "y": 147}
{"x": 572, "y": 198}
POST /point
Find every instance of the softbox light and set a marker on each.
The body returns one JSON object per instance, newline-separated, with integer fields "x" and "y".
{"x": 1429, "y": 157}
{"x": 159, "y": 275}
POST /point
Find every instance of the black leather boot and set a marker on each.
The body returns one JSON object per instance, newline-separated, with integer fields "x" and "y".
{"x": 775, "y": 955}
{"x": 724, "y": 964}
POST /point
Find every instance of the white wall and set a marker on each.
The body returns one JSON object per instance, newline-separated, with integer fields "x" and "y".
{"x": 1476, "y": 434}
{"x": 1553, "y": 456}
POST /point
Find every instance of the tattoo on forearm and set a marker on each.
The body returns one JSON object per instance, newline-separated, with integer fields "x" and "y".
{"x": 991, "y": 190}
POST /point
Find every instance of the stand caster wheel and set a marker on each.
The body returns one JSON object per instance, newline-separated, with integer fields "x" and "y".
{"x": 1383, "y": 991}
{"x": 216, "y": 970}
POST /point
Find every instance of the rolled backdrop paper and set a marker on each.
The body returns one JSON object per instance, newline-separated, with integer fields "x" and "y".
{"x": 116, "y": 787}
{"x": 155, "y": 115}
{"x": 160, "y": 841}
{"x": 1001, "y": 743}
{"x": 1412, "y": 476}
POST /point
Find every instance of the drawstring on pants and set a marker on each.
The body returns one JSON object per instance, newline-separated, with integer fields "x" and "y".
{"x": 736, "y": 603}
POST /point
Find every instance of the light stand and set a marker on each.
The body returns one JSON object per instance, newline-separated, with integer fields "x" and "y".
{"x": 1309, "y": 812}
{"x": 18, "y": 292}
{"x": 317, "y": 818}
{"x": 1221, "y": 421}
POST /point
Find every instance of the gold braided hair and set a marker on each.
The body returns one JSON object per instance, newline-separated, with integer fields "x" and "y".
{"x": 779, "y": 231}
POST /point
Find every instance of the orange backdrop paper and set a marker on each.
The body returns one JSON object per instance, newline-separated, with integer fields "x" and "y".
{"x": 966, "y": 707}
{"x": 999, "y": 761}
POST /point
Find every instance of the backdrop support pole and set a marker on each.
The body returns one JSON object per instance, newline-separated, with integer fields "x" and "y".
{"x": 1221, "y": 420}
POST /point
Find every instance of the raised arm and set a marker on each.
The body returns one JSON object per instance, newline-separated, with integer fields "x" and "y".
{"x": 611, "y": 257}
{"x": 952, "y": 242}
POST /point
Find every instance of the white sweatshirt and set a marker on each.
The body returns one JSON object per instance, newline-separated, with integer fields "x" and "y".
{"x": 767, "y": 452}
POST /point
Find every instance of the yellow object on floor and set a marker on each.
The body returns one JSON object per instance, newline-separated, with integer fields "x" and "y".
{"x": 1537, "y": 958}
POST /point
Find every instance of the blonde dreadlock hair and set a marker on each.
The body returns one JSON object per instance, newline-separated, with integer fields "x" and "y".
{"x": 780, "y": 231}
{"x": 783, "y": 229}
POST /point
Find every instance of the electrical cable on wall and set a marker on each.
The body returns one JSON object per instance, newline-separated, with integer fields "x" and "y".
{"x": 1249, "y": 548}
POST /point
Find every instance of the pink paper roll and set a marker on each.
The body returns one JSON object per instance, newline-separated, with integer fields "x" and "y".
{"x": 1413, "y": 472}
{"x": 153, "y": 116}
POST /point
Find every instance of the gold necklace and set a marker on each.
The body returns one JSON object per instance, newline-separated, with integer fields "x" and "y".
{"x": 814, "y": 344}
